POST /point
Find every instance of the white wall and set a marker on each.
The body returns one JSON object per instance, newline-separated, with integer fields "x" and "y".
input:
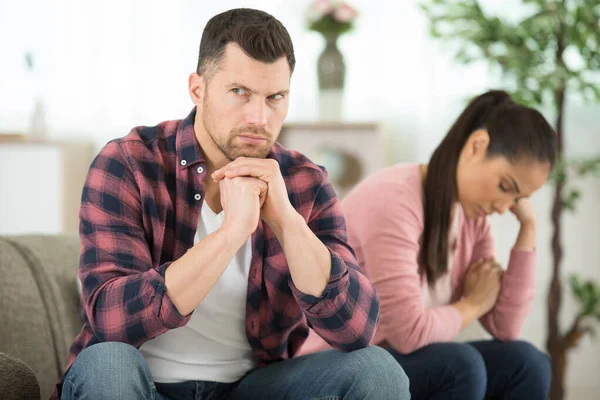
{"x": 109, "y": 65}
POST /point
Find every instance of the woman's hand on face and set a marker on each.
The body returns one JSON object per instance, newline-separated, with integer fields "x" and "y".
{"x": 524, "y": 212}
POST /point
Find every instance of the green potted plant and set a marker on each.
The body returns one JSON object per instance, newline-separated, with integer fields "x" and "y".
{"x": 531, "y": 54}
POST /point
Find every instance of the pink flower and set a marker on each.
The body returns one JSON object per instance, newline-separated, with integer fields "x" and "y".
{"x": 344, "y": 13}
{"x": 322, "y": 7}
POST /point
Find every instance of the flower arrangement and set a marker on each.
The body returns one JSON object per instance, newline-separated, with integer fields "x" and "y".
{"x": 331, "y": 17}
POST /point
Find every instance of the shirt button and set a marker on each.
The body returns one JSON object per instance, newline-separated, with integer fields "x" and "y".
{"x": 183, "y": 162}
{"x": 197, "y": 196}
{"x": 200, "y": 170}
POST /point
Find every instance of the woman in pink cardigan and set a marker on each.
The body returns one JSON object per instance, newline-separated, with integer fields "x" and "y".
{"x": 421, "y": 235}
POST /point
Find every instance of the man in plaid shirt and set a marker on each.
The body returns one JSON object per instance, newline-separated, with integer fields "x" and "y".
{"x": 208, "y": 249}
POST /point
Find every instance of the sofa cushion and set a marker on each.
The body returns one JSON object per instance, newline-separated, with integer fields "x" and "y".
{"x": 56, "y": 259}
{"x": 25, "y": 331}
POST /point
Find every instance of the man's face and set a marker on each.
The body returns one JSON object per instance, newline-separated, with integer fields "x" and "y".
{"x": 245, "y": 103}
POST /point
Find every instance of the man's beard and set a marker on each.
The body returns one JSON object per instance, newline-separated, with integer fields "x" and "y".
{"x": 232, "y": 151}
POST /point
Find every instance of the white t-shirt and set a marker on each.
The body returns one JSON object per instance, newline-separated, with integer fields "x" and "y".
{"x": 213, "y": 345}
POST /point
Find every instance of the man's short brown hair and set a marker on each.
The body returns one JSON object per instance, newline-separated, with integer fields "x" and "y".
{"x": 259, "y": 34}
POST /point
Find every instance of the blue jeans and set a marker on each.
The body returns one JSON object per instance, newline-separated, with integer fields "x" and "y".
{"x": 487, "y": 369}
{"x": 118, "y": 371}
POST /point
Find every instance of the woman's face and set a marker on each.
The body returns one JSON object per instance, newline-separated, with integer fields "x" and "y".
{"x": 493, "y": 185}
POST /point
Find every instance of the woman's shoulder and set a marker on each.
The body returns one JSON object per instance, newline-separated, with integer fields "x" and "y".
{"x": 398, "y": 186}
{"x": 399, "y": 179}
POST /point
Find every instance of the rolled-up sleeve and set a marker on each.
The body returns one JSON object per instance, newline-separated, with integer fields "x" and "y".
{"x": 347, "y": 312}
{"x": 123, "y": 295}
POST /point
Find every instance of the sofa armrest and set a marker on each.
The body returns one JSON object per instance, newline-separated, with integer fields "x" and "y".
{"x": 17, "y": 380}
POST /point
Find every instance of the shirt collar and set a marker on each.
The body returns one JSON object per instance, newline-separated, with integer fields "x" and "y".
{"x": 186, "y": 143}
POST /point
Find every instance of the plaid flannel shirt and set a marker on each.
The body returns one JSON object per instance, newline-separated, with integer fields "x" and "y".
{"x": 139, "y": 212}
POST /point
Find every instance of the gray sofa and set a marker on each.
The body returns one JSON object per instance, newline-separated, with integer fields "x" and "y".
{"x": 39, "y": 312}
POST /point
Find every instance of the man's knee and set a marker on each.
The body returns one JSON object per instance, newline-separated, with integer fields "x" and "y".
{"x": 375, "y": 371}
{"x": 109, "y": 369}
{"x": 115, "y": 357}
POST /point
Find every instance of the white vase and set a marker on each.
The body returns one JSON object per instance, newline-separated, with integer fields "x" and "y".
{"x": 331, "y": 104}
{"x": 331, "y": 74}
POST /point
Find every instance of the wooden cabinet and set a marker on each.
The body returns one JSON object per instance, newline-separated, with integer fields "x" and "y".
{"x": 349, "y": 151}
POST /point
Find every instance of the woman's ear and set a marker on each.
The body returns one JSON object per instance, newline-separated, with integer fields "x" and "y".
{"x": 476, "y": 147}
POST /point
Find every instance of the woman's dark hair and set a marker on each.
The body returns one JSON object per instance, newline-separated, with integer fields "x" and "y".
{"x": 259, "y": 34}
{"x": 516, "y": 132}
